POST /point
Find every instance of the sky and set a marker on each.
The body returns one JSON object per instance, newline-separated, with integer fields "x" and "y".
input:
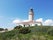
{"x": 11, "y": 10}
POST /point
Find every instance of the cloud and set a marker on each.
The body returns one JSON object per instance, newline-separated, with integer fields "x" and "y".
{"x": 25, "y": 20}
{"x": 48, "y": 22}
{"x": 39, "y": 20}
{"x": 17, "y": 21}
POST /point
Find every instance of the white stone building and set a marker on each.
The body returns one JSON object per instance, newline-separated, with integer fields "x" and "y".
{"x": 30, "y": 21}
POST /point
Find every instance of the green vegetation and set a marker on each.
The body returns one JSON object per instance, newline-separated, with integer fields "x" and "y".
{"x": 18, "y": 27}
{"x": 24, "y": 30}
{"x": 1, "y": 29}
{"x": 29, "y": 33}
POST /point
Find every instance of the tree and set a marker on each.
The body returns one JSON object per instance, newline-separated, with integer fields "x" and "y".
{"x": 24, "y": 30}
{"x": 1, "y": 29}
{"x": 18, "y": 27}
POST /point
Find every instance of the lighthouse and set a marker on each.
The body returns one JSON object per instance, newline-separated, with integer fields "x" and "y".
{"x": 31, "y": 15}
{"x": 30, "y": 21}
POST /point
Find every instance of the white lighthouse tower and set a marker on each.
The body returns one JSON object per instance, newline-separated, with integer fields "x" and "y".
{"x": 30, "y": 21}
{"x": 31, "y": 15}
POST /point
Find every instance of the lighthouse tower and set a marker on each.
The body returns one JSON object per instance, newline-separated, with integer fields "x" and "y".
{"x": 31, "y": 15}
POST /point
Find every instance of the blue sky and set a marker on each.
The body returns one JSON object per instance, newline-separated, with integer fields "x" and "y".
{"x": 18, "y": 9}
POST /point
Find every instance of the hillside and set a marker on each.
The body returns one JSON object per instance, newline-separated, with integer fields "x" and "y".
{"x": 37, "y": 33}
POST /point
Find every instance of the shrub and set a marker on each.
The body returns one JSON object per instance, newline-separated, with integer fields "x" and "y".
{"x": 18, "y": 27}
{"x": 50, "y": 32}
{"x": 24, "y": 30}
{"x": 1, "y": 29}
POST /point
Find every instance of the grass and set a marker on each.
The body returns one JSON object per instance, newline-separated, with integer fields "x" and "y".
{"x": 37, "y": 33}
